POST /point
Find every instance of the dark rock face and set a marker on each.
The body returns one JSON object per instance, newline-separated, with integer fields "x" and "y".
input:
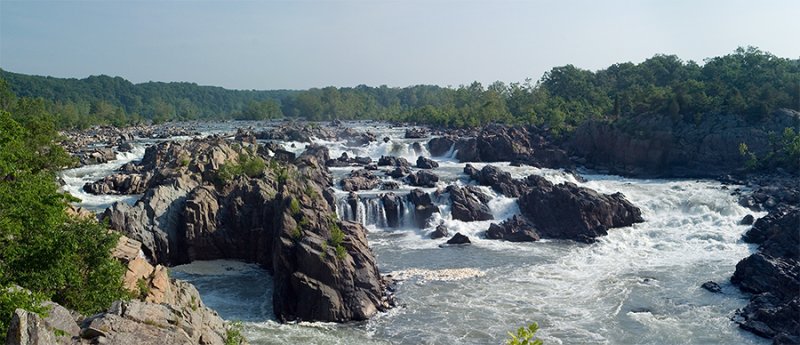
{"x": 653, "y": 145}
{"x": 393, "y": 207}
{"x": 426, "y": 163}
{"x": 97, "y": 156}
{"x": 119, "y": 184}
{"x": 416, "y": 133}
{"x": 360, "y": 180}
{"x": 439, "y": 232}
{"x": 566, "y": 211}
{"x": 496, "y": 143}
{"x": 712, "y": 287}
{"x": 355, "y": 138}
{"x": 393, "y": 162}
{"x": 423, "y": 207}
{"x": 773, "y": 276}
{"x": 296, "y": 132}
{"x": 747, "y": 220}
{"x": 441, "y": 145}
{"x": 389, "y": 185}
{"x": 469, "y": 205}
{"x": 516, "y": 229}
{"x": 281, "y": 223}
{"x": 500, "y": 181}
{"x": 423, "y": 178}
{"x": 399, "y": 172}
{"x": 459, "y": 239}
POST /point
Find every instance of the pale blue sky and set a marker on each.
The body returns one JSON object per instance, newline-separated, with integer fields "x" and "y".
{"x": 302, "y": 44}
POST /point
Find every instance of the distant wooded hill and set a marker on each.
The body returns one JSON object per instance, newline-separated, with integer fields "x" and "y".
{"x": 748, "y": 82}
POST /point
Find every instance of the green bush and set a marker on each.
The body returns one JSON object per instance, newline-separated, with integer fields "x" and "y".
{"x": 337, "y": 235}
{"x": 233, "y": 335}
{"x": 294, "y": 207}
{"x": 11, "y": 298}
{"x": 42, "y": 249}
{"x": 525, "y": 336}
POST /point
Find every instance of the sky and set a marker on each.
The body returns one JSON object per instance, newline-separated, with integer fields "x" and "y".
{"x": 304, "y": 44}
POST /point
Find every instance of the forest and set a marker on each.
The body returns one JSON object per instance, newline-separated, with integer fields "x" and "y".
{"x": 748, "y": 82}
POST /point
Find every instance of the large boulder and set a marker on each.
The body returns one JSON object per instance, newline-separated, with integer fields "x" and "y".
{"x": 393, "y": 208}
{"x": 393, "y": 161}
{"x": 500, "y": 181}
{"x": 426, "y": 163}
{"x": 566, "y": 211}
{"x": 423, "y": 178}
{"x": 515, "y": 229}
{"x": 361, "y": 179}
{"x": 468, "y": 204}
{"x": 441, "y": 145}
{"x": 423, "y": 207}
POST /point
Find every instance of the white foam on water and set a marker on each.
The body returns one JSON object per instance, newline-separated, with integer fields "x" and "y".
{"x": 75, "y": 179}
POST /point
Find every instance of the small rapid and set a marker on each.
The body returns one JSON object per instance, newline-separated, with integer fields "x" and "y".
{"x": 74, "y": 180}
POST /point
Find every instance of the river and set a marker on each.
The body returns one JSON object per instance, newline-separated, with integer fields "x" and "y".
{"x": 638, "y": 285}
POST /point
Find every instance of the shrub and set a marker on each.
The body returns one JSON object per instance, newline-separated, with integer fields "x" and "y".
{"x": 525, "y": 336}
{"x": 341, "y": 252}
{"x": 337, "y": 236}
{"x": 294, "y": 207}
{"x": 233, "y": 335}
{"x": 11, "y": 298}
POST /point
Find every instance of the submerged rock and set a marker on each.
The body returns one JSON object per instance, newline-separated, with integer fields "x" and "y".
{"x": 459, "y": 239}
{"x": 439, "y": 232}
{"x": 712, "y": 287}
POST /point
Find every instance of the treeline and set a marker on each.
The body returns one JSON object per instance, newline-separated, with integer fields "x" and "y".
{"x": 113, "y": 100}
{"x": 749, "y": 83}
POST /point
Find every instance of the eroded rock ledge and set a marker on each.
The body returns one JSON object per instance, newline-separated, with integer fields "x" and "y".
{"x": 212, "y": 199}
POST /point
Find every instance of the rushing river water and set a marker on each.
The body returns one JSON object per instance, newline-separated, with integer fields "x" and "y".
{"x": 638, "y": 285}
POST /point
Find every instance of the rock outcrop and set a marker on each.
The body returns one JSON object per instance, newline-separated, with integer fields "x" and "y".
{"x": 469, "y": 204}
{"x": 423, "y": 207}
{"x": 515, "y": 229}
{"x": 655, "y": 145}
{"x": 772, "y": 275}
{"x": 281, "y": 218}
{"x": 566, "y": 211}
{"x": 497, "y": 143}
{"x": 361, "y": 179}
{"x": 423, "y": 178}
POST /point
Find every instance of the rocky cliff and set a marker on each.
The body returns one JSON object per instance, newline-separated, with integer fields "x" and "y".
{"x": 216, "y": 199}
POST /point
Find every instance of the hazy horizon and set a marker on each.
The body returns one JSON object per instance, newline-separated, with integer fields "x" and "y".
{"x": 301, "y": 45}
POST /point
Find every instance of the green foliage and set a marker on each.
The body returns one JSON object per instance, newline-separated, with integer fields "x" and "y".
{"x": 42, "y": 249}
{"x": 784, "y": 153}
{"x": 337, "y": 235}
{"x": 297, "y": 233}
{"x": 233, "y": 334}
{"x": 144, "y": 288}
{"x": 341, "y": 252}
{"x": 748, "y": 83}
{"x": 336, "y": 240}
{"x": 12, "y": 298}
{"x": 294, "y": 207}
{"x": 246, "y": 165}
{"x": 525, "y": 336}
{"x": 751, "y": 161}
